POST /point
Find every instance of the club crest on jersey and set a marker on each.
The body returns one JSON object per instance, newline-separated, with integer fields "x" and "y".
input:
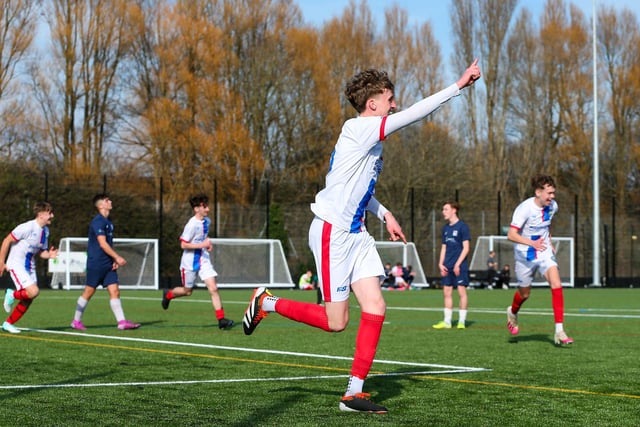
{"x": 378, "y": 165}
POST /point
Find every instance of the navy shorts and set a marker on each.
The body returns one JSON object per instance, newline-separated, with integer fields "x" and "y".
{"x": 452, "y": 280}
{"x": 101, "y": 276}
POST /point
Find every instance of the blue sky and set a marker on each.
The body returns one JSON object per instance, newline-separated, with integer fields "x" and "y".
{"x": 436, "y": 11}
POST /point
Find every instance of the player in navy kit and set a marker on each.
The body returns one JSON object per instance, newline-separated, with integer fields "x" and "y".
{"x": 453, "y": 264}
{"x": 196, "y": 245}
{"x": 530, "y": 230}
{"x": 103, "y": 263}
{"x": 23, "y": 243}
{"x": 345, "y": 254}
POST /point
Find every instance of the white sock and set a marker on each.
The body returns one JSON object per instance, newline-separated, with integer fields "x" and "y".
{"x": 269, "y": 303}
{"x": 80, "y": 306}
{"x": 462, "y": 316}
{"x": 448, "y": 313}
{"x": 559, "y": 327}
{"x": 116, "y": 307}
{"x": 355, "y": 386}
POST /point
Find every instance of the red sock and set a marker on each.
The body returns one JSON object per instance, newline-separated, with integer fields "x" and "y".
{"x": 21, "y": 295}
{"x": 169, "y": 295}
{"x": 220, "y": 314}
{"x": 310, "y": 314}
{"x": 366, "y": 344}
{"x": 557, "y": 302}
{"x": 18, "y": 311}
{"x": 517, "y": 302}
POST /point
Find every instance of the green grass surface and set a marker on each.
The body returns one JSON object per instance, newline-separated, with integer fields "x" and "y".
{"x": 178, "y": 369}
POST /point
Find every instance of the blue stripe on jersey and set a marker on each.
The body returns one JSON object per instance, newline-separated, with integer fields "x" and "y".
{"x": 358, "y": 217}
{"x": 27, "y": 261}
{"x": 531, "y": 252}
{"x": 546, "y": 213}
{"x": 197, "y": 254}
{"x": 333, "y": 155}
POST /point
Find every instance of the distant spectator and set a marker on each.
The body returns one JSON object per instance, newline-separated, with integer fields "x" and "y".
{"x": 504, "y": 277}
{"x": 409, "y": 275}
{"x": 306, "y": 281}
{"x": 398, "y": 273}
{"x": 492, "y": 269}
{"x": 388, "y": 281}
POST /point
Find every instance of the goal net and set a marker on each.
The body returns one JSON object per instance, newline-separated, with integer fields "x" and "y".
{"x": 141, "y": 271}
{"x": 504, "y": 255}
{"x": 242, "y": 263}
{"x": 393, "y": 252}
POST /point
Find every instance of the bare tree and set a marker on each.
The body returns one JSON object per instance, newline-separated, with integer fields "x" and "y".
{"x": 618, "y": 41}
{"x": 89, "y": 40}
{"x": 18, "y": 23}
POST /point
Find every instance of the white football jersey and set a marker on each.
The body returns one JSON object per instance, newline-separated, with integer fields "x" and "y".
{"x": 196, "y": 231}
{"x": 533, "y": 222}
{"x": 31, "y": 239}
{"x": 356, "y": 162}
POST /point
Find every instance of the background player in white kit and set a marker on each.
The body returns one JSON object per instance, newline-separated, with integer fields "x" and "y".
{"x": 345, "y": 254}
{"x": 26, "y": 240}
{"x": 533, "y": 251}
{"x": 196, "y": 245}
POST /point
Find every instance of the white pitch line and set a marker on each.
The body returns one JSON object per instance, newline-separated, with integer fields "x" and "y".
{"x": 580, "y": 312}
{"x": 446, "y": 369}
{"x": 227, "y": 381}
{"x": 254, "y": 350}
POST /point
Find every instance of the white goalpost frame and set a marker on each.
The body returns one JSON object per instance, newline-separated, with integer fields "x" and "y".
{"x": 276, "y": 276}
{"x": 409, "y": 257}
{"x": 481, "y": 252}
{"x": 71, "y": 262}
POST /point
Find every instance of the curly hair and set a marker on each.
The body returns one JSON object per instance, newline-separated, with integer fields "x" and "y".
{"x": 539, "y": 181}
{"x": 199, "y": 199}
{"x": 366, "y": 84}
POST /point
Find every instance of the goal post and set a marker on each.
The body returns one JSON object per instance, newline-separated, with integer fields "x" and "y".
{"x": 243, "y": 263}
{"x": 564, "y": 247}
{"x": 141, "y": 271}
{"x": 393, "y": 252}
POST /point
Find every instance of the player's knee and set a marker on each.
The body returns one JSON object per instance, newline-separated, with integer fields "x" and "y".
{"x": 188, "y": 291}
{"x": 33, "y": 291}
{"x": 338, "y": 325}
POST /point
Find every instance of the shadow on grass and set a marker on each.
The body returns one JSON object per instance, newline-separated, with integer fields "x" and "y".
{"x": 546, "y": 338}
{"x": 112, "y": 326}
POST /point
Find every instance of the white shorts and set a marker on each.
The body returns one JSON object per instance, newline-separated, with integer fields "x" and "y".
{"x": 23, "y": 278}
{"x": 342, "y": 258}
{"x": 526, "y": 269}
{"x": 188, "y": 277}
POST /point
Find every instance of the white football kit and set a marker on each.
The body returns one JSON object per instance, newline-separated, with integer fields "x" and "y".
{"x": 195, "y": 261}
{"x": 31, "y": 239}
{"x": 343, "y": 251}
{"x": 533, "y": 222}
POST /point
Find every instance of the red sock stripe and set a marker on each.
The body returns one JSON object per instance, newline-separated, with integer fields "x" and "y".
{"x": 517, "y": 302}
{"x": 366, "y": 344}
{"x": 557, "y": 302}
{"x": 18, "y": 311}
{"x": 21, "y": 295}
{"x": 220, "y": 314}
{"x": 304, "y": 312}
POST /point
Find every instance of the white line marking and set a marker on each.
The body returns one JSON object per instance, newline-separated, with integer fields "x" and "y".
{"x": 230, "y": 380}
{"x": 249, "y": 350}
{"x": 444, "y": 369}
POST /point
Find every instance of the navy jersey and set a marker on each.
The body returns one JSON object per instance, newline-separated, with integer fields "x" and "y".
{"x": 96, "y": 257}
{"x": 452, "y": 237}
